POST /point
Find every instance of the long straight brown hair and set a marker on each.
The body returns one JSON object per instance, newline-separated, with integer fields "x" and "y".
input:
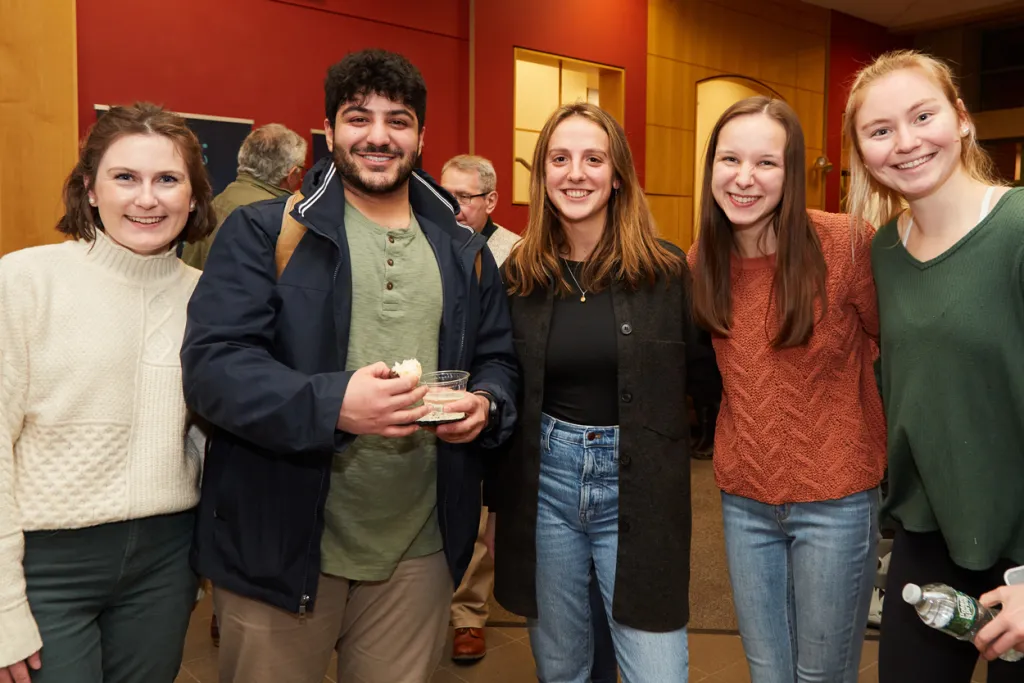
{"x": 799, "y": 262}
{"x": 628, "y": 251}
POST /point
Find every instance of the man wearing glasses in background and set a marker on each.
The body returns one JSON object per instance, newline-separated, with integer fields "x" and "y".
{"x": 472, "y": 181}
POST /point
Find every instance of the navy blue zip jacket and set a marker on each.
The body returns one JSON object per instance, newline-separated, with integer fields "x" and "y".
{"x": 263, "y": 361}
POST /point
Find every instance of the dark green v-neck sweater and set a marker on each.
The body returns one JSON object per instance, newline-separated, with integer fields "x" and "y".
{"x": 952, "y": 352}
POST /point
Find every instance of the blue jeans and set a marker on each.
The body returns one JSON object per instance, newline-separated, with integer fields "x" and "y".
{"x": 604, "y": 669}
{"x": 578, "y": 524}
{"x": 802, "y": 575}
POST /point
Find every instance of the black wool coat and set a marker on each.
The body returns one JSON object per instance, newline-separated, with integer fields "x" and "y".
{"x": 662, "y": 356}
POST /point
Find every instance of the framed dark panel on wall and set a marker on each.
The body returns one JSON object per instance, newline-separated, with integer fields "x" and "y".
{"x": 319, "y": 144}
{"x": 221, "y": 138}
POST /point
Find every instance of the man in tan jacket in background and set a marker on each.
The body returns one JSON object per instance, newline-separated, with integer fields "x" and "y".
{"x": 270, "y": 164}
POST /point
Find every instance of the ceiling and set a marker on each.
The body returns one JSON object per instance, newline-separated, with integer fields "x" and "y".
{"x": 905, "y": 14}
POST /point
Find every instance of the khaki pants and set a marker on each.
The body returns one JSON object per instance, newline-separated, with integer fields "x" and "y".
{"x": 384, "y": 632}
{"x": 469, "y": 604}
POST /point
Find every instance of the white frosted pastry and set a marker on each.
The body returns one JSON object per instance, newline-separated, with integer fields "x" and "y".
{"x": 408, "y": 368}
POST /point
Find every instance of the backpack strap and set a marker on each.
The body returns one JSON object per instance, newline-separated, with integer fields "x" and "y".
{"x": 292, "y": 232}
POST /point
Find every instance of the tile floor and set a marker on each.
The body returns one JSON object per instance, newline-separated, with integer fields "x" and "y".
{"x": 714, "y": 658}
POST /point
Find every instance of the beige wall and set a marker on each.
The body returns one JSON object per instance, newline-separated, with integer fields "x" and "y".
{"x": 537, "y": 95}
{"x": 783, "y": 44}
{"x": 38, "y": 117}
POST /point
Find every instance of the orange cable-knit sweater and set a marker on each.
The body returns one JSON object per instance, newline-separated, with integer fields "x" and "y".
{"x": 801, "y": 424}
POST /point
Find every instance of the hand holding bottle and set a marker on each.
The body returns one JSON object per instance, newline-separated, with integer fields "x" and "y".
{"x": 1006, "y": 631}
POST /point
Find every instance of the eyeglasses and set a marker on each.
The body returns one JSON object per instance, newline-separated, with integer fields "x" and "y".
{"x": 467, "y": 199}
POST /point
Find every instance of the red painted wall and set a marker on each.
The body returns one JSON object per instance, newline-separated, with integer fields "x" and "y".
{"x": 610, "y": 32}
{"x": 854, "y": 43}
{"x": 266, "y": 60}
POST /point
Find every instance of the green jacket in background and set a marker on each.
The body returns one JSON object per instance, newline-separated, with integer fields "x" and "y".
{"x": 244, "y": 190}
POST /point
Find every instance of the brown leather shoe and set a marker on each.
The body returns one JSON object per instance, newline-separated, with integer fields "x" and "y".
{"x": 469, "y": 645}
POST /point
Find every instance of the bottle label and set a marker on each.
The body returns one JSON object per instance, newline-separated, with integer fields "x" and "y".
{"x": 962, "y": 622}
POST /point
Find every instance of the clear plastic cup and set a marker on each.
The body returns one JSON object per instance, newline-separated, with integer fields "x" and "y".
{"x": 443, "y": 387}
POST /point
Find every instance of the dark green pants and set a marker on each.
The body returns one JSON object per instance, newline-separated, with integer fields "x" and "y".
{"x": 112, "y": 601}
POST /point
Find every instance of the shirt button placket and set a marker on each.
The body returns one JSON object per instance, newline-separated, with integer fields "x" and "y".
{"x": 389, "y": 286}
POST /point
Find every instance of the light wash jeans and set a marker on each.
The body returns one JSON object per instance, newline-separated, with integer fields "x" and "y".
{"x": 802, "y": 575}
{"x": 578, "y": 523}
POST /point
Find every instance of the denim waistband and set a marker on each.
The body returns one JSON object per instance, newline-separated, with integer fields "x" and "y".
{"x": 580, "y": 435}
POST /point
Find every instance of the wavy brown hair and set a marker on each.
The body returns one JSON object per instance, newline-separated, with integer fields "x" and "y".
{"x": 869, "y": 201}
{"x": 80, "y": 220}
{"x": 799, "y": 262}
{"x": 628, "y": 251}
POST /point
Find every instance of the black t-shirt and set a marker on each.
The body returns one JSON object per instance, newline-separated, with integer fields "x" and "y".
{"x": 582, "y": 362}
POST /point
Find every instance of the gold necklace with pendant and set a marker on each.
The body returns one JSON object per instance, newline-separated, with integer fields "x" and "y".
{"x": 583, "y": 292}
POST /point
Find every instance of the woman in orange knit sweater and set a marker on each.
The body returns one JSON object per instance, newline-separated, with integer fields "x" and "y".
{"x": 788, "y": 296}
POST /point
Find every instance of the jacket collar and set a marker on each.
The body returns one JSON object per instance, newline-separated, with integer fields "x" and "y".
{"x": 322, "y": 208}
{"x": 246, "y": 179}
{"x": 490, "y": 227}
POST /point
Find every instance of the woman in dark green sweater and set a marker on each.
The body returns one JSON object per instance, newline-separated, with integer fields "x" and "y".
{"x": 949, "y": 270}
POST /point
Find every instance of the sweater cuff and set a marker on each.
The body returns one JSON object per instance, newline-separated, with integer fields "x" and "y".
{"x": 19, "y": 634}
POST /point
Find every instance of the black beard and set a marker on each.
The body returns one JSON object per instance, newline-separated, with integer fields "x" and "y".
{"x": 350, "y": 170}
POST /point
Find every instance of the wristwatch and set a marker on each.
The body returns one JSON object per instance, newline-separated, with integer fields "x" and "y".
{"x": 492, "y": 410}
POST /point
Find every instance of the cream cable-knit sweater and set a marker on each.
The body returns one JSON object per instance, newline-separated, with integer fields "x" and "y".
{"x": 92, "y": 416}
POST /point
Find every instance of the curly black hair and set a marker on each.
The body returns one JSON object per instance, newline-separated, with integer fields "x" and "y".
{"x": 379, "y": 72}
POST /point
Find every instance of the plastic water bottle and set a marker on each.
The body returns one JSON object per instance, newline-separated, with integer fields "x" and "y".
{"x": 952, "y": 612}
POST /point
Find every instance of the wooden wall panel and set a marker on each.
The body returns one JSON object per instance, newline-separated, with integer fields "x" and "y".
{"x": 811, "y": 61}
{"x": 786, "y": 92}
{"x": 810, "y": 107}
{"x": 38, "y": 118}
{"x": 999, "y": 123}
{"x": 665, "y": 172}
{"x": 781, "y": 43}
{"x": 815, "y": 181}
{"x": 668, "y": 84}
{"x": 666, "y": 212}
{"x": 686, "y": 231}
{"x": 779, "y": 66}
{"x": 612, "y": 86}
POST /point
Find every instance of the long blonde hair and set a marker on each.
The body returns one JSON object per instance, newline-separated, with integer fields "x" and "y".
{"x": 628, "y": 251}
{"x": 869, "y": 201}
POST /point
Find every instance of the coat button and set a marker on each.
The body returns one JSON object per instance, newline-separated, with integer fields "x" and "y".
{"x": 624, "y": 461}
{"x": 623, "y": 526}
{"x": 390, "y": 286}
{"x": 391, "y": 261}
{"x": 626, "y": 397}
{"x": 626, "y": 328}
{"x": 391, "y": 238}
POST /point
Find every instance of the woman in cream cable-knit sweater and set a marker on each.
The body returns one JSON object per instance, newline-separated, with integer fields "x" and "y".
{"x": 97, "y": 486}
